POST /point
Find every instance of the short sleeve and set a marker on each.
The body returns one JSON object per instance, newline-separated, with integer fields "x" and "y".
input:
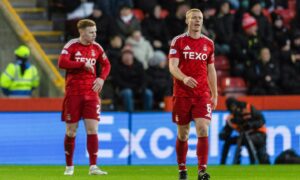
{"x": 174, "y": 49}
{"x": 211, "y": 58}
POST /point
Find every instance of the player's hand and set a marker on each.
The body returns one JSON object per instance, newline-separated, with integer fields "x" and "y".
{"x": 89, "y": 67}
{"x": 190, "y": 82}
{"x": 214, "y": 102}
{"x": 98, "y": 84}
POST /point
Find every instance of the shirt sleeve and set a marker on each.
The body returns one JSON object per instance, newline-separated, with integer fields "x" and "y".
{"x": 65, "y": 62}
{"x": 105, "y": 65}
{"x": 211, "y": 58}
{"x": 174, "y": 49}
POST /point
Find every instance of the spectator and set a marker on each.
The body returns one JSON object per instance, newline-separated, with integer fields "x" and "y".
{"x": 223, "y": 28}
{"x": 105, "y": 26}
{"x": 111, "y": 7}
{"x": 284, "y": 53}
{"x": 176, "y": 22}
{"x": 142, "y": 49}
{"x": 263, "y": 76}
{"x": 126, "y": 22}
{"x": 245, "y": 46}
{"x": 209, "y": 21}
{"x": 114, "y": 48}
{"x": 279, "y": 30}
{"x": 20, "y": 78}
{"x": 129, "y": 79}
{"x": 76, "y": 10}
{"x": 158, "y": 78}
{"x": 291, "y": 70}
{"x": 250, "y": 124}
{"x": 264, "y": 26}
{"x": 145, "y": 5}
{"x": 239, "y": 15}
{"x": 155, "y": 30}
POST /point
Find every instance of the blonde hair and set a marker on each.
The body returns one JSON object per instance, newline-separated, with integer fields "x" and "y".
{"x": 82, "y": 24}
{"x": 189, "y": 12}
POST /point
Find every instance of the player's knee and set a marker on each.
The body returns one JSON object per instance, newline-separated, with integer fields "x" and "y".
{"x": 203, "y": 132}
{"x": 92, "y": 131}
{"x": 182, "y": 137}
{"x": 71, "y": 133}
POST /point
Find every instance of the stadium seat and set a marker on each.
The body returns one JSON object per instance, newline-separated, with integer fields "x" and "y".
{"x": 222, "y": 63}
{"x": 233, "y": 86}
{"x": 139, "y": 14}
{"x": 222, "y": 74}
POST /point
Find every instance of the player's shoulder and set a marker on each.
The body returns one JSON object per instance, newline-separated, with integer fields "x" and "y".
{"x": 70, "y": 43}
{"x": 178, "y": 38}
{"x": 207, "y": 39}
{"x": 98, "y": 46}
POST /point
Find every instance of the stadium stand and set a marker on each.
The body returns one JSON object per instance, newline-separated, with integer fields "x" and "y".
{"x": 233, "y": 86}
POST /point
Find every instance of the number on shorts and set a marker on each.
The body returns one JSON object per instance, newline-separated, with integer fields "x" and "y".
{"x": 98, "y": 110}
{"x": 208, "y": 106}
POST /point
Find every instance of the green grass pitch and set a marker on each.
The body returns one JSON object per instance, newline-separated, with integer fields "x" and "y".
{"x": 284, "y": 172}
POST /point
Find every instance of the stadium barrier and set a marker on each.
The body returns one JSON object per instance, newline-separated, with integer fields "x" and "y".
{"x": 55, "y": 104}
{"x": 127, "y": 139}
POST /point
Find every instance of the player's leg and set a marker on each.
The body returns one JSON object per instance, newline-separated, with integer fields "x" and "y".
{"x": 181, "y": 116}
{"x": 181, "y": 149}
{"x": 201, "y": 113}
{"x": 91, "y": 115}
{"x": 202, "y": 126}
{"x": 69, "y": 145}
{"x": 91, "y": 126}
{"x": 71, "y": 115}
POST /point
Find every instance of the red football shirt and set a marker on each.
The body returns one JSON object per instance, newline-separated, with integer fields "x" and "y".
{"x": 73, "y": 58}
{"x": 194, "y": 56}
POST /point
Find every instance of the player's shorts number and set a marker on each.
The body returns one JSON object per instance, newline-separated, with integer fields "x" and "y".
{"x": 208, "y": 107}
{"x": 98, "y": 110}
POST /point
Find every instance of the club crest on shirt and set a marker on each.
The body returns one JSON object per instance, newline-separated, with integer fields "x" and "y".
{"x": 93, "y": 53}
{"x": 205, "y": 47}
{"x": 104, "y": 56}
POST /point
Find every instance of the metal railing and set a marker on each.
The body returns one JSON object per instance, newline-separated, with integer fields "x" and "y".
{"x": 26, "y": 36}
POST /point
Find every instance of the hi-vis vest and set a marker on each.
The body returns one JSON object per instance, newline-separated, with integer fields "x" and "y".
{"x": 246, "y": 114}
{"x": 19, "y": 85}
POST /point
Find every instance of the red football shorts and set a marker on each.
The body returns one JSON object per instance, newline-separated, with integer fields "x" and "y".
{"x": 185, "y": 109}
{"x": 77, "y": 107}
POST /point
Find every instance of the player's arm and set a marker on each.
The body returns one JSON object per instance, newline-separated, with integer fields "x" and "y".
{"x": 64, "y": 61}
{"x": 212, "y": 82}
{"x": 178, "y": 74}
{"x": 105, "y": 69}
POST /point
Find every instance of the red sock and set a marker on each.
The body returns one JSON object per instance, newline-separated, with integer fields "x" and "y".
{"x": 69, "y": 144}
{"x": 92, "y": 147}
{"x": 181, "y": 151}
{"x": 202, "y": 153}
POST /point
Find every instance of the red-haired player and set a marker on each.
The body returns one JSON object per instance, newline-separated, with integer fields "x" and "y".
{"x": 79, "y": 58}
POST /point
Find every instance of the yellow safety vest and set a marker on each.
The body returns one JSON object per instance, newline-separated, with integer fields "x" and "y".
{"x": 17, "y": 84}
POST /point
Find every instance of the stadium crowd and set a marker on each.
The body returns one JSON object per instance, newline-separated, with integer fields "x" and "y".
{"x": 260, "y": 39}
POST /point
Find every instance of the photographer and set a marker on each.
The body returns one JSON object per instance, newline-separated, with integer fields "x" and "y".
{"x": 250, "y": 124}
